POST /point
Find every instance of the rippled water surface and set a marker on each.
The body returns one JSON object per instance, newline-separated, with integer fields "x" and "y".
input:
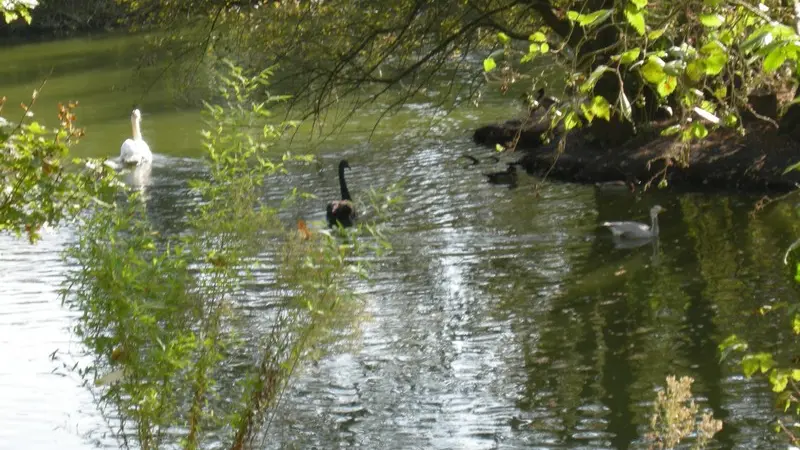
{"x": 502, "y": 319}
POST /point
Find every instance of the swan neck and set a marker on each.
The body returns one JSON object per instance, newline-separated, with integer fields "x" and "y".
{"x": 654, "y": 227}
{"x": 343, "y": 185}
{"x": 137, "y": 130}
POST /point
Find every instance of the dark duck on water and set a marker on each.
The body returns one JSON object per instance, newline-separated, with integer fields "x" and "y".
{"x": 342, "y": 212}
{"x": 506, "y": 177}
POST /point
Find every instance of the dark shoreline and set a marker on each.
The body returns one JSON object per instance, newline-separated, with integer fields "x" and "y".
{"x": 724, "y": 160}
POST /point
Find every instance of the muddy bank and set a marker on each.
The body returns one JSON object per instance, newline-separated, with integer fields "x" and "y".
{"x": 725, "y": 160}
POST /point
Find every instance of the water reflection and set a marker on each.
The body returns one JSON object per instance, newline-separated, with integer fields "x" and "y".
{"x": 503, "y": 319}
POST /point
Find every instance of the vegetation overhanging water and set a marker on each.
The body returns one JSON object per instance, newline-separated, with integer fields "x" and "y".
{"x": 501, "y": 316}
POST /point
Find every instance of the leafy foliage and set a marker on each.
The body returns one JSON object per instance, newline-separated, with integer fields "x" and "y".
{"x": 784, "y": 378}
{"x": 17, "y": 9}
{"x": 159, "y": 314}
{"x": 41, "y": 183}
{"x": 698, "y": 59}
{"x": 675, "y": 417}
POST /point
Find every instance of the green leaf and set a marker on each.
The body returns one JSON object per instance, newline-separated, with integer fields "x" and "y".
{"x": 756, "y": 40}
{"x": 571, "y": 121}
{"x": 489, "y": 64}
{"x": 712, "y": 20}
{"x": 732, "y": 342}
{"x": 639, "y": 3}
{"x": 699, "y": 131}
{"x": 696, "y": 69}
{"x": 573, "y": 15}
{"x": 667, "y": 86}
{"x": 749, "y": 365}
{"x": 503, "y": 38}
{"x": 715, "y": 63}
{"x": 545, "y": 48}
{"x": 653, "y": 70}
{"x": 588, "y": 114}
{"x": 655, "y": 34}
{"x": 765, "y": 361}
{"x": 499, "y": 148}
{"x": 779, "y": 379}
{"x": 796, "y": 374}
{"x": 588, "y": 85}
{"x": 669, "y": 131}
{"x": 594, "y": 18}
{"x": 538, "y": 37}
{"x": 630, "y": 56}
{"x": 774, "y": 59}
{"x": 625, "y": 105}
{"x": 600, "y": 107}
{"x": 795, "y": 166}
{"x": 635, "y": 19}
{"x": 663, "y": 184}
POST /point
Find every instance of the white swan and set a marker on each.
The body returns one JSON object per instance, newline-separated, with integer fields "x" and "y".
{"x": 636, "y": 230}
{"x": 135, "y": 151}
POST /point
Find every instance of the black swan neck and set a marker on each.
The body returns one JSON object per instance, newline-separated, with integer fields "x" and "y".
{"x": 343, "y": 184}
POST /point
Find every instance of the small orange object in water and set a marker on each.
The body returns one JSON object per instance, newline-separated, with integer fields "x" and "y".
{"x": 305, "y": 233}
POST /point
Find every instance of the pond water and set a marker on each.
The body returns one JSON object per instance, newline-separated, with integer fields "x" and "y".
{"x": 503, "y": 318}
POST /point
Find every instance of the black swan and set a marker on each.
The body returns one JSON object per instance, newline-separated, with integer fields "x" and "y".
{"x": 342, "y": 212}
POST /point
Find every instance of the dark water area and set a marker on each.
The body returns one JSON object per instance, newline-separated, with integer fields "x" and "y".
{"x": 501, "y": 319}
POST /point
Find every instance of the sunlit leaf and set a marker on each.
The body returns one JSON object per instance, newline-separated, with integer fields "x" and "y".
{"x": 630, "y": 56}
{"x": 699, "y": 131}
{"x": 696, "y": 69}
{"x": 594, "y": 18}
{"x": 639, "y": 3}
{"x": 779, "y": 379}
{"x": 588, "y": 85}
{"x": 672, "y": 130}
{"x": 750, "y": 365}
{"x": 765, "y": 361}
{"x": 503, "y": 38}
{"x": 635, "y": 19}
{"x": 757, "y": 40}
{"x": 545, "y": 48}
{"x": 715, "y": 63}
{"x": 712, "y": 20}
{"x": 653, "y": 70}
{"x": 795, "y": 166}
{"x": 774, "y": 59}
{"x": 667, "y": 86}
{"x": 571, "y": 120}
{"x": 489, "y": 64}
{"x": 600, "y": 107}
{"x": 538, "y": 37}
{"x": 655, "y": 34}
